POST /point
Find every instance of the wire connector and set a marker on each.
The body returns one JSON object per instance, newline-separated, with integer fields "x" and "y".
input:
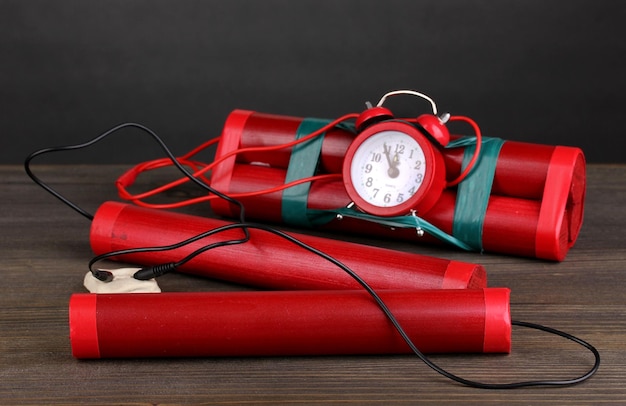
{"x": 155, "y": 271}
{"x": 118, "y": 280}
{"x": 102, "y": 275}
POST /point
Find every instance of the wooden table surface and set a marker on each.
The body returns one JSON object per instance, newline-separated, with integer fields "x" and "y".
{"x": 45, "y": 250}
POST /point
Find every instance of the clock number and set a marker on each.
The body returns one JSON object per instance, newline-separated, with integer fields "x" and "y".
{"x": 376, "y": 156}
{"x": 369, "y": 182}
{"x": 412, "y": 191}
{"x": 400, "y": 149}
{"x": 368, "y": 168}
{"x": 387, "y": 198}
{"x": 376, "y": 192}
{"x": 419, "y": 178}
{"x": 418, "y": 164}
{"x": 400, "y": 198}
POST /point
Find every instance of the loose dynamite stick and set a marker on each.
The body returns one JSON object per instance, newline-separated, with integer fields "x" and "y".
{"x": 287, "y": 323}
{"x": 268, "y": 260}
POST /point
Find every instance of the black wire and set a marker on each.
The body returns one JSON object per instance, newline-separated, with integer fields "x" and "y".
{"x": 48, "y": 188}
{"x": 177, "y": 245}
{"x": 100, "y": 137}
{"x": 243, "y": 225}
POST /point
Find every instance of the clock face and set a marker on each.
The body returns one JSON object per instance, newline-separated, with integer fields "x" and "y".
{"x": 388, "y": 168}
{"x": 392, "y": 169}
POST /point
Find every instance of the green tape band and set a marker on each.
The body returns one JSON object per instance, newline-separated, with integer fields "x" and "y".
{"x": 473, "y": 192}
{"x": 302, "y": 164}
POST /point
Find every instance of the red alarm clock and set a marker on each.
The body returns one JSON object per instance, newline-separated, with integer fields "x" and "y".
{"x": 394, "y": 167}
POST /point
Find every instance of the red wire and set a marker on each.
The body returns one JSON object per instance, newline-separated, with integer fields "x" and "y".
{"x": 129, "y": 177}
{"x": 206, "y": 198}
{"x": 201, "y": 147}
{"x": 472, "y": 161}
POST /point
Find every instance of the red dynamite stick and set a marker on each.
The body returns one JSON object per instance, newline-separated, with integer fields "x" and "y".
{"x": 268, "y": 260}
{"x": 287, "y": 323}
{"x": 512, "y": 225}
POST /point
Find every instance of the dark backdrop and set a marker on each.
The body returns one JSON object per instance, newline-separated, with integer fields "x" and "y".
{"x": 541, "y": 71}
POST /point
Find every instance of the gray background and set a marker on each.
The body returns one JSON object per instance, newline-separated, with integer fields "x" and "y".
{"x": 541, "y": 71}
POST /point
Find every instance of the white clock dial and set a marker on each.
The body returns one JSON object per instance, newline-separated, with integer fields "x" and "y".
{"x": 388, "y": 168}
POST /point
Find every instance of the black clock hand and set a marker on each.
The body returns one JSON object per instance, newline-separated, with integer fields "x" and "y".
{"x": 387, "y": 151}
{"x": 393, "y": 170}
